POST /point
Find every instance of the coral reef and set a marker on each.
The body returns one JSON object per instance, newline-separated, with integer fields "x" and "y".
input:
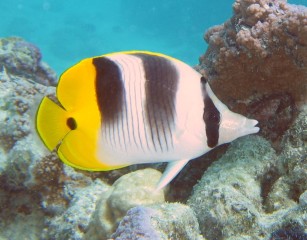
{"x": 260, "y": 55}
{"x": 133, "y": 189}
{"x": 262, "y": 48}
{"x": 289, "y": 232}
{"x": 256, "y": 63}
{"x": 74, "y": 221}
{"x": 227, "y": 200}
{"x": 20, "y": 215}
{"x": 275, "y": 114}
{"x": 136, "y": 224}
{"x": 17, "y": 141}
{"x": 252, "y": 191}
{"x": 24, "y": 59}
{"x": 20, "y": 149}
{"x": 159, "y": 222}
{"x": 287, "y": 189}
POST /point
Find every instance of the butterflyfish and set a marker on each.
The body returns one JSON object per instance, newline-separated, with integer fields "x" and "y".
{"x": 134, "y": 107}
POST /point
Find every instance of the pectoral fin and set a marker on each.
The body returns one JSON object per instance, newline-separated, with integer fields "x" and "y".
{"x": 171, "y": 171}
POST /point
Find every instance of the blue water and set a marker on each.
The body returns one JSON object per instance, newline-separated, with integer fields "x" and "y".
{"x": 69, "y": 30}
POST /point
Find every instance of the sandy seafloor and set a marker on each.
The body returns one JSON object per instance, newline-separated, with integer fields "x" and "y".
{"x": 254, "y": 188}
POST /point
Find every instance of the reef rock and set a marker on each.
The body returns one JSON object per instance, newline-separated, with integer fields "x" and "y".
{"x": 256, "y": 62}
{"x": 234, "y": 198}
{"x": 74, "y": 221}
{"x": 227, "y": 200}
{"x": 19, "y": 143}
{"x": 289, "y": 189}
{"x": 22, "y": 58}
{"x": 131, "y": 190}
{"x": 21, "y": 150}
{"x": 159, "y": 222}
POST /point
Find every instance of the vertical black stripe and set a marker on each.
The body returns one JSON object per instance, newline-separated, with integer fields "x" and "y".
{"x": 110, "y": 93}
{"x": 161, "y": 117}
{"x": 160, "y": 88}
{"x": 155, "y": 110}
{"x": 211, "y": 117}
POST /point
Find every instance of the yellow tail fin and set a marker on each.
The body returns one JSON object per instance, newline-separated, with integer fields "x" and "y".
{"x": 51, "y": 123}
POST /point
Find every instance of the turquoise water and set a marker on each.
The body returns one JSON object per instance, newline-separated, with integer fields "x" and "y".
{"x": 67, "y": 31}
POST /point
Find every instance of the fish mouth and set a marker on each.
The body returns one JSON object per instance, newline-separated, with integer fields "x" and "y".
{"x": 250, "y": 126}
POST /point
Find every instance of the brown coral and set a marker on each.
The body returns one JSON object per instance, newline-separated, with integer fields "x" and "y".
{"x": 261, "y": 50}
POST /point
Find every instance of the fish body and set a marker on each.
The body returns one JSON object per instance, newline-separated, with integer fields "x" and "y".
{"x": 127, "y": 108}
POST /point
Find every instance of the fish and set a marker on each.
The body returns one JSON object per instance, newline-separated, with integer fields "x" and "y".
{"x": 133, "y": 107}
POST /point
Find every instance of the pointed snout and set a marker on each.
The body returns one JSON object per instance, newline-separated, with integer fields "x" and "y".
{"x": 235, "y": 125}
{"x": 250, "y": 126}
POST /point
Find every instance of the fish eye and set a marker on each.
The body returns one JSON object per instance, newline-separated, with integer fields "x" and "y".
{"x": 71, "y": 123}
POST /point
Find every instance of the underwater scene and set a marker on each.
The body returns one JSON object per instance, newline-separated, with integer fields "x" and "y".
{"x": 153, "y": 120}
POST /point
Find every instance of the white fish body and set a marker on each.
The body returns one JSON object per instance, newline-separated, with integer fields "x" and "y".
{"x": 188, "y": 139}
{"x": 140, "y": 107}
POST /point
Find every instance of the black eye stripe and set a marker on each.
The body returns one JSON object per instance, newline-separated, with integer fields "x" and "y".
{"x": 211, "y": 117}
{"x": 203, "y": 80}
{"x": 212, "y": 120}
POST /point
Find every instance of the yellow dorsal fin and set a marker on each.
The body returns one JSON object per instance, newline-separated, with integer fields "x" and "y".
{"x": 51, "y": 123}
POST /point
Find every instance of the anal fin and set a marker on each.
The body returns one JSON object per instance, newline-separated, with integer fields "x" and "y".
{"x": 171, "y": 171}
